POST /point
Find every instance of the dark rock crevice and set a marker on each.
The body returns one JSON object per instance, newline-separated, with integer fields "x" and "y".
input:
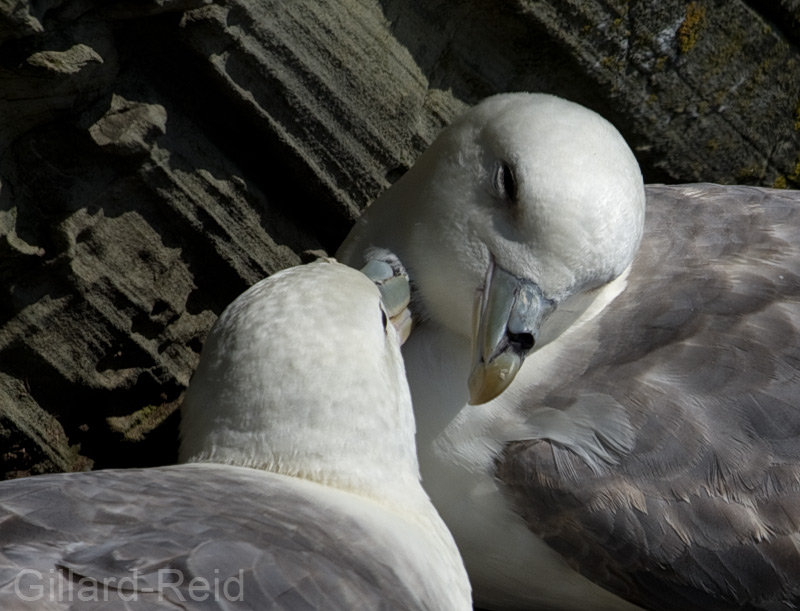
{"x": 157, "y": 158}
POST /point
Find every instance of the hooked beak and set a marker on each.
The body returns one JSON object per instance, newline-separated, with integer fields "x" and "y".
{"x": 393, "y": 284}
{"x": 507, "y": 314}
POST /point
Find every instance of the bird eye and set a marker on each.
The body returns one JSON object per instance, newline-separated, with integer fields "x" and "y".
{"x": 505, "y": 183}
{"x": 384, "y": 318}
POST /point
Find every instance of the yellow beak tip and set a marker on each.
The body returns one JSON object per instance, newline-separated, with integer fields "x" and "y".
{"x": 488, "y": 380}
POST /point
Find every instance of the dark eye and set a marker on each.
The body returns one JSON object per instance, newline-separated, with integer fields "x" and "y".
{"x": 384, "y": 318}
{"x": 505, "y": 183}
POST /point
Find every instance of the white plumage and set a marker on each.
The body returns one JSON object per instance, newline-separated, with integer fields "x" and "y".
{"x": 648, "y": 448}
{"x": 300, "y": 489}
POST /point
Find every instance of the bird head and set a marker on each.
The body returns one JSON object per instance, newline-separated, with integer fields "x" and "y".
{"x": 520, "y": 210}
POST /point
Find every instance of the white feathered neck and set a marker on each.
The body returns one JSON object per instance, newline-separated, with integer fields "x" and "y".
{"x": 301, "y": 376}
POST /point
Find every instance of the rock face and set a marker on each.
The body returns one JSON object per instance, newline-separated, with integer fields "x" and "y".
{"x": 158, "y": 157}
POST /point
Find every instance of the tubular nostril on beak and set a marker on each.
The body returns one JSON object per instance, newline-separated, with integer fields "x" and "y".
{"x": 522, "y": 342}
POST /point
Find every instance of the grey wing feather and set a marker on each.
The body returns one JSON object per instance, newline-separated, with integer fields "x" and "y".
{"x": 223, "y": 527}
{"x": 695, "y": 369}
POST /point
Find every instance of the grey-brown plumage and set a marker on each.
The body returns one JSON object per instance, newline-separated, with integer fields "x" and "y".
{"x": 604, "y": 379}
{"x": 252, "y": 536}
{"x": 697, "y": 362}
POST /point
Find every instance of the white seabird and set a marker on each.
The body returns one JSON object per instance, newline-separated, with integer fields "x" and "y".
{"x": 300, "y": 489}
{"x": 649, "y": 445}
